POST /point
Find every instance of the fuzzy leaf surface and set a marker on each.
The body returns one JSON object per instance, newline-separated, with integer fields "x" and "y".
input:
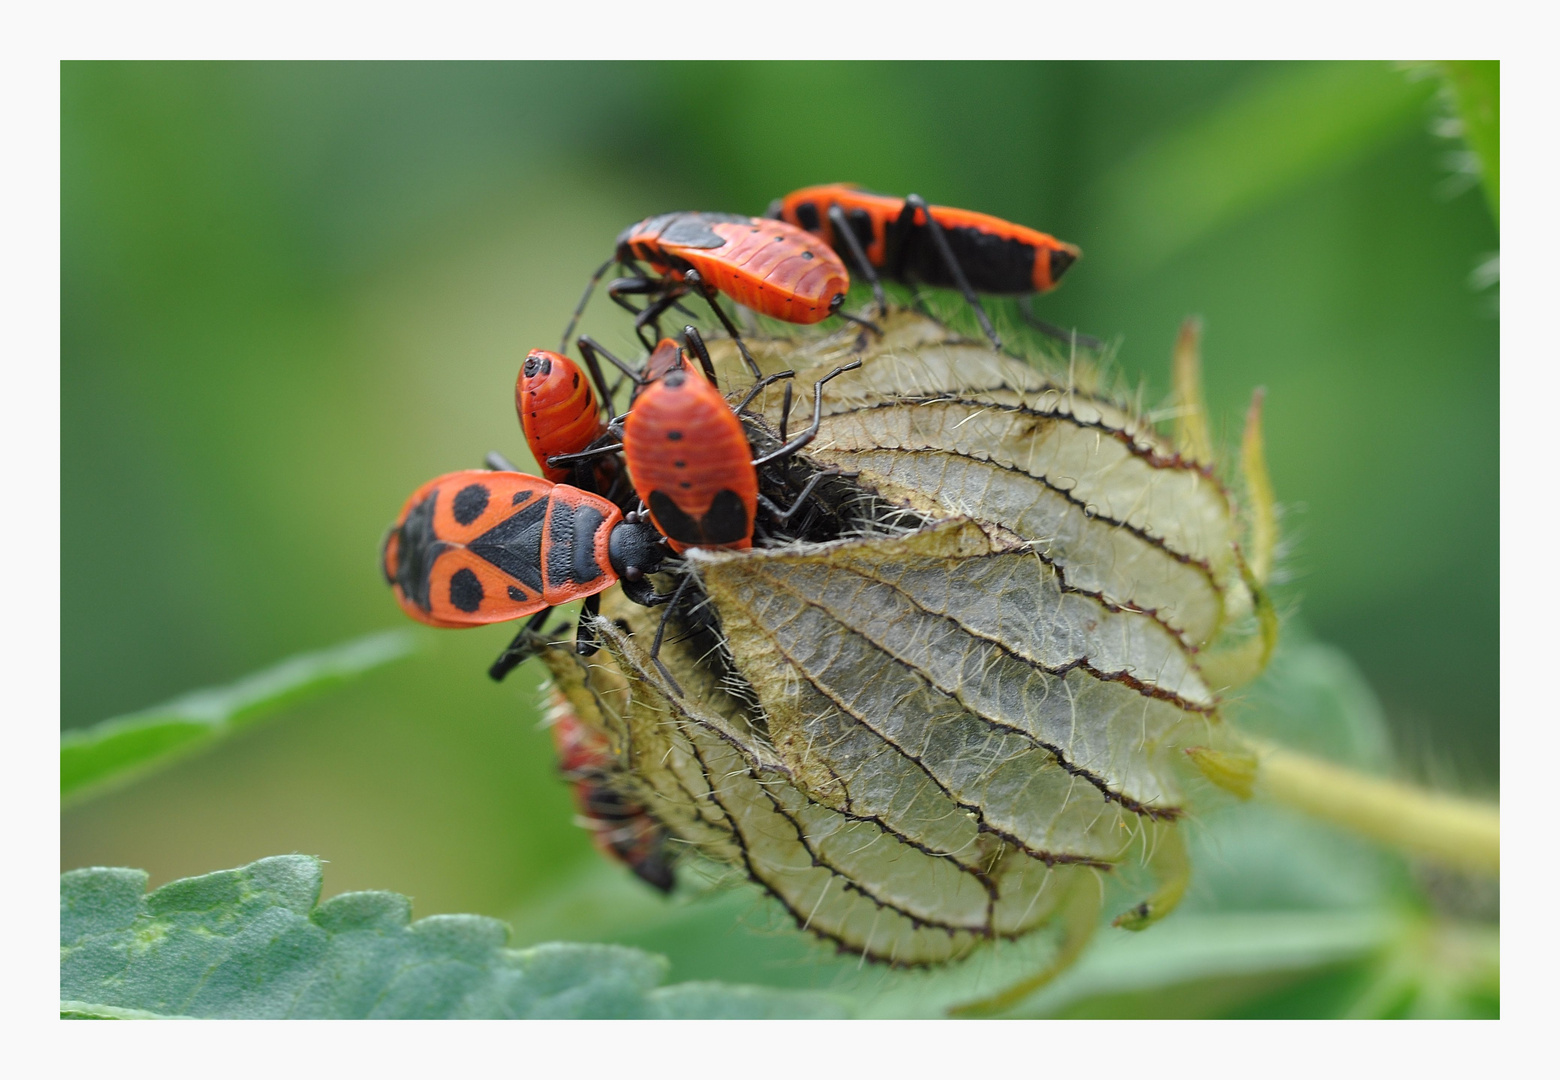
{"x": 255, "y": 943}
{"x": 1475, "y": 86}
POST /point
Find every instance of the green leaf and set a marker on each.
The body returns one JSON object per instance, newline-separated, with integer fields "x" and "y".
{"x": 1283, "y": 129}
{"x": 85, "y": 1010}
{"x": 117, "y": 750}
{"x": 1188, "y": 949}
{"x": 1314, "y": 698}
{"x": 1475, "y": 92}
{"x": 255, "y": 943}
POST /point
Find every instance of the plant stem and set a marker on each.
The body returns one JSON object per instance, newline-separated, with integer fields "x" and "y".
{"x": 1458, "y": 832}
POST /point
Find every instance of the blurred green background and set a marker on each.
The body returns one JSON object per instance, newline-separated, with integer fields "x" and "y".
{"x": 293, "y": 292}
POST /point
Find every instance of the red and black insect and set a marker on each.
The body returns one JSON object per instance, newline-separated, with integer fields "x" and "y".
{"x": 484, "y": 546}
{"x": 691, "y": 463}
{"x": 620, "y": 828}
{"x": 767, "y": 265}
{"x": 560, "y": 414}
{"x": 908, "y": 241}
{"x": 688, "y": 454}
{"x": 558, "y": 410}
{"x": 666, "y": 357}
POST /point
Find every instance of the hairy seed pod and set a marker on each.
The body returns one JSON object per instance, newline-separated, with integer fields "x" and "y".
{"x": 854, "y": 879}
{"x": 942, "y": 727}
{"x": 948, "y": 427}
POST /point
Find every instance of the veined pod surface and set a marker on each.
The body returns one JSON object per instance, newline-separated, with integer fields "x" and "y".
{"x": 943, "y": 727}
{"x": 696, "y": 761}
{"x": 950, "y": 428}
{"x": 978, "y": 665}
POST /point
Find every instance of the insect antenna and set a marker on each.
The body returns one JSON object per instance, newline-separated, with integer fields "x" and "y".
{"x": 579, "y": 309}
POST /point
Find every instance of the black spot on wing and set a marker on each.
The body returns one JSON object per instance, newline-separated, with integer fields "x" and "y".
{"x": 672, "y": 521}
{"x": 469, "y": 503}
{"x": 807, "y": 216}
{"x": 993, "y": 263}
{"x": 465, "y": 590}
{"x": 694, "y": 230}
{"x": 514, "y": 545}
{"x": 726, "y": 520}
{"x": 520, "y": 496}
{"x": 587, "y": 523}
{"x": 560, "y": 545}
{"x": 418, "y": 549}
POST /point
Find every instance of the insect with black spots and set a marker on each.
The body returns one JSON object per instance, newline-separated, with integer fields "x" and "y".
{"x": 687, "y": 452}
{"x": 485, "y": 546}
{"x": 620, "y": 827}
{"x": 909, "y": 241}
{"x": 691, "y": 463}
{"x": 560, "y": 414}
{"x": 769, "y": 266}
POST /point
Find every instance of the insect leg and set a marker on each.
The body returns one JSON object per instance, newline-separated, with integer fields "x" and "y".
{"x": 696, "y": 343}
{"x": 843, "y": 230}
{"x": 915, "y": 202}
{"x": 586, "y": 642}
{"x": 592, "y": 350}
{"x": 652, "y": 315}
{"x": 783, "y": 516}
{"x": 812, "y": 430}
{"x": 643, "y": 285}
{"x": 558, "y": 461}
{"x": 767, "y": 380}
{"x": 643, "y": 593}
{"x": 526, "y": 644}
{"x": 597, "y": 378}
{"x": 660, "y": 632}
{"x": 693, "y": 277}
{"x": 499, "y": 463}
{"x": 865, "y": 324}
{"x": 1071, "y": 337}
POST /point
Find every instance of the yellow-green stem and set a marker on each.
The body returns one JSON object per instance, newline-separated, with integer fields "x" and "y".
{"x": 1444, "y": 828}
